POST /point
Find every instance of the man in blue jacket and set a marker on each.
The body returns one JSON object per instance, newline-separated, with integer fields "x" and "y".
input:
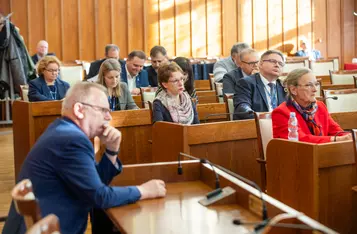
{"x": 132, "y": 72}
{"x": 66, "y": 179}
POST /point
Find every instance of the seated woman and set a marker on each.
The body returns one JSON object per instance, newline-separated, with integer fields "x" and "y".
{"x": 315, "y": 124}
{"x": 48, "y": 86}
{"x": 119, "y": 96}
{"x": 186, "y": 66}
{"x": 173, "y": 103}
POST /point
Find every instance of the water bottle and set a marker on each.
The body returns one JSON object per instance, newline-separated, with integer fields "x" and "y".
{"x": 293, "y": 127}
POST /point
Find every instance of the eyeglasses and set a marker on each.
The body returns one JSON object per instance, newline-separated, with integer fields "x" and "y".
{"x": 251, "y": 63}
{"x": 183, "y": 80}
{"x": 310, "y": 85}
{"x": 104, "y": 110}
{"x": 281, "y": 64}
{"x": 52, "y": 70}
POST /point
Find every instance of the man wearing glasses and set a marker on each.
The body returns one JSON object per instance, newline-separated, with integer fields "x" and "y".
{"x": 260, "y": 92}
{"x": 65, "y": 177}
{"x": 248, "y": 65}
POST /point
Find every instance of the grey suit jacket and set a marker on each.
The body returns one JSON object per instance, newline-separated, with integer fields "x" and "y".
{"x": 126, "y": 100}
{"x": 230, "y": 80}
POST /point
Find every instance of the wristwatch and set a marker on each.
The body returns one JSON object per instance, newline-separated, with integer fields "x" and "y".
{"x": 112, "y": 153}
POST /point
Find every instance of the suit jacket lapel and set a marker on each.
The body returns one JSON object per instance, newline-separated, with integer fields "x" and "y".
{"x": 281, "y": 92}
{"x": 261, "y": 89}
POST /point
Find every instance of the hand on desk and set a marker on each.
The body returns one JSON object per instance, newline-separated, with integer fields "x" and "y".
{"x": 346, "y": 137}
{"x": 152, "y": 189}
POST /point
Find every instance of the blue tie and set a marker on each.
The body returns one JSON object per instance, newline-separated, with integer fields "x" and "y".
{"x": 272, "y": 95}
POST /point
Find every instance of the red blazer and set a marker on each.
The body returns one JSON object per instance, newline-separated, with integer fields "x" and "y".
{"x": 281, "y": 115}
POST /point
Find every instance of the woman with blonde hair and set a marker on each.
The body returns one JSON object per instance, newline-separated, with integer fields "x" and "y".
{"x": 48, "y": 86}
{"x": 119, "y": 96}
{"x": 315, "y": 124}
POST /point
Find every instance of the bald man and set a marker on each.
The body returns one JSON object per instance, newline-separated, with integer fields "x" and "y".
{"x": 41, "y": 51}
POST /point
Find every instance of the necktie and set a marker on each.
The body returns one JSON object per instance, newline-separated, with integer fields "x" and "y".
{"x": 272, "y": 95}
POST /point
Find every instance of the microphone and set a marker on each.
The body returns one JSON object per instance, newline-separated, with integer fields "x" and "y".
{"x": 251, "y": 183}
{"x": 233, "y": 114}
{"x": 331, "y": 97}
{"x": 180, "y": 172}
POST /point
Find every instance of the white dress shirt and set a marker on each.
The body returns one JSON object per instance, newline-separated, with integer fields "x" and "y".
{"x": 131, "y": 80}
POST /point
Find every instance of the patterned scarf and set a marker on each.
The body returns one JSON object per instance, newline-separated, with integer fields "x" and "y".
{"x": 182, "y": 113}
{"x": 308, "y": 115}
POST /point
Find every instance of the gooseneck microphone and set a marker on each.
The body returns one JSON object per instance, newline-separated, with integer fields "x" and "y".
{"x": 331, "y": 97}
{"x": 251, "y": 183}
{"x": 180, "y": 172}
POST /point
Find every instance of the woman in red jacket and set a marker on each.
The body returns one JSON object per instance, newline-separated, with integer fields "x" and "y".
{"x": 314, "y": 122}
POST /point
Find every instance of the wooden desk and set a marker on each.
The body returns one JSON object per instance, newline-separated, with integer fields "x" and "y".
{"x": 231, "y": 144}
{"x": 315, "y": 179}
{"x": 32, "y": 118}
{"x": 180, "y": 212}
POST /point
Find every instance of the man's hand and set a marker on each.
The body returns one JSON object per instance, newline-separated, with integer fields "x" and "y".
{"x": 135, "y": 91}
{"x": 111, "y": 137}
{"x": 152, "y": 189}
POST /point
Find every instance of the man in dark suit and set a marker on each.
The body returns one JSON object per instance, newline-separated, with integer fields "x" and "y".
{"x": 158, "y": 56}
{"x": 132, "y": 72}
{"x": 111, "y": 51}
{"x": 260, "y": 92}
{"x": 66, "y": 179}
{"x": 248, "y": 65}
{"x": 42, "y": 51}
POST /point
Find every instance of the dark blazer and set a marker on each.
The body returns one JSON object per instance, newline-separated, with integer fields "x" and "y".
{"x": 160, "y": 113}
{"x": 39, "y": 91}
{"x": 141, "y": 79}
{"x": 152, "y": 76}
{"x": 35, "y": 58}
{"x": 95, "y": 66}
{"x": 251, "y": 96}
{"x": 231, "y": 79}
{"x": 67, "y": 181}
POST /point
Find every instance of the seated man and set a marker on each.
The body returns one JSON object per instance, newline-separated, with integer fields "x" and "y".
{"x": 111, "y": 51}
{"x": 248, "y": 65}
{"x": 132, "y": 72}
{"x": 41, "y": 51}
{"x": 66, "y": 179}
{"x": 260, "y": 92}
{"x": 158, "y": 56}
{"x": 230, "y": 63}
{"x": 307, "y": 51}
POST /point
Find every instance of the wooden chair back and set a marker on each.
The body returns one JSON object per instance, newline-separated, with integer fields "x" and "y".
{"x": 293, "y": 64}
{"x": 47, "y": 225}
{"x": 343, "y": 76}
{"x": 346, "y": 100}
{"x": 138, "y": 100}
{"x": 211, "y": 79}
{"x": 208, "y": 96}
{"x": 25, "y": 202}
{"x": 212, "y": 112}
{"x": 203, "y": 85}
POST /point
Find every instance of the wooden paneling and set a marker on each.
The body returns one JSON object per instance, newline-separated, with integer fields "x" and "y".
{"x": 79, "y": 29}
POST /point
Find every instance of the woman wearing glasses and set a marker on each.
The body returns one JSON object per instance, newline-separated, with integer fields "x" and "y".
{"x": 47, "y": 87}
{"x": 119, "y": 96}
{"x": 315, "y": 124}
{"x": 173, "y": 103}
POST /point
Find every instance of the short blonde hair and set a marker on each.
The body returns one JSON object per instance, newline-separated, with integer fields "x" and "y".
{"x": 293, "y": 78}
{"x": 107, "y": 66}
{"x": 45, "y": 61}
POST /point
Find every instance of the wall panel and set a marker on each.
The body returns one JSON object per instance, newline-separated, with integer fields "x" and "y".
{"x": 81, "y": 28}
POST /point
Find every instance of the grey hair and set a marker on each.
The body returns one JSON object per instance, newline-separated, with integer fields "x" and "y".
{"x": 269, "y": 52}
{"x": 110, "y": 47}
{"x": 238, "y": 47}
{"x": 247, "y": 51}
{"x": 80, "y": 92}
{"x": 293, "y": 78}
